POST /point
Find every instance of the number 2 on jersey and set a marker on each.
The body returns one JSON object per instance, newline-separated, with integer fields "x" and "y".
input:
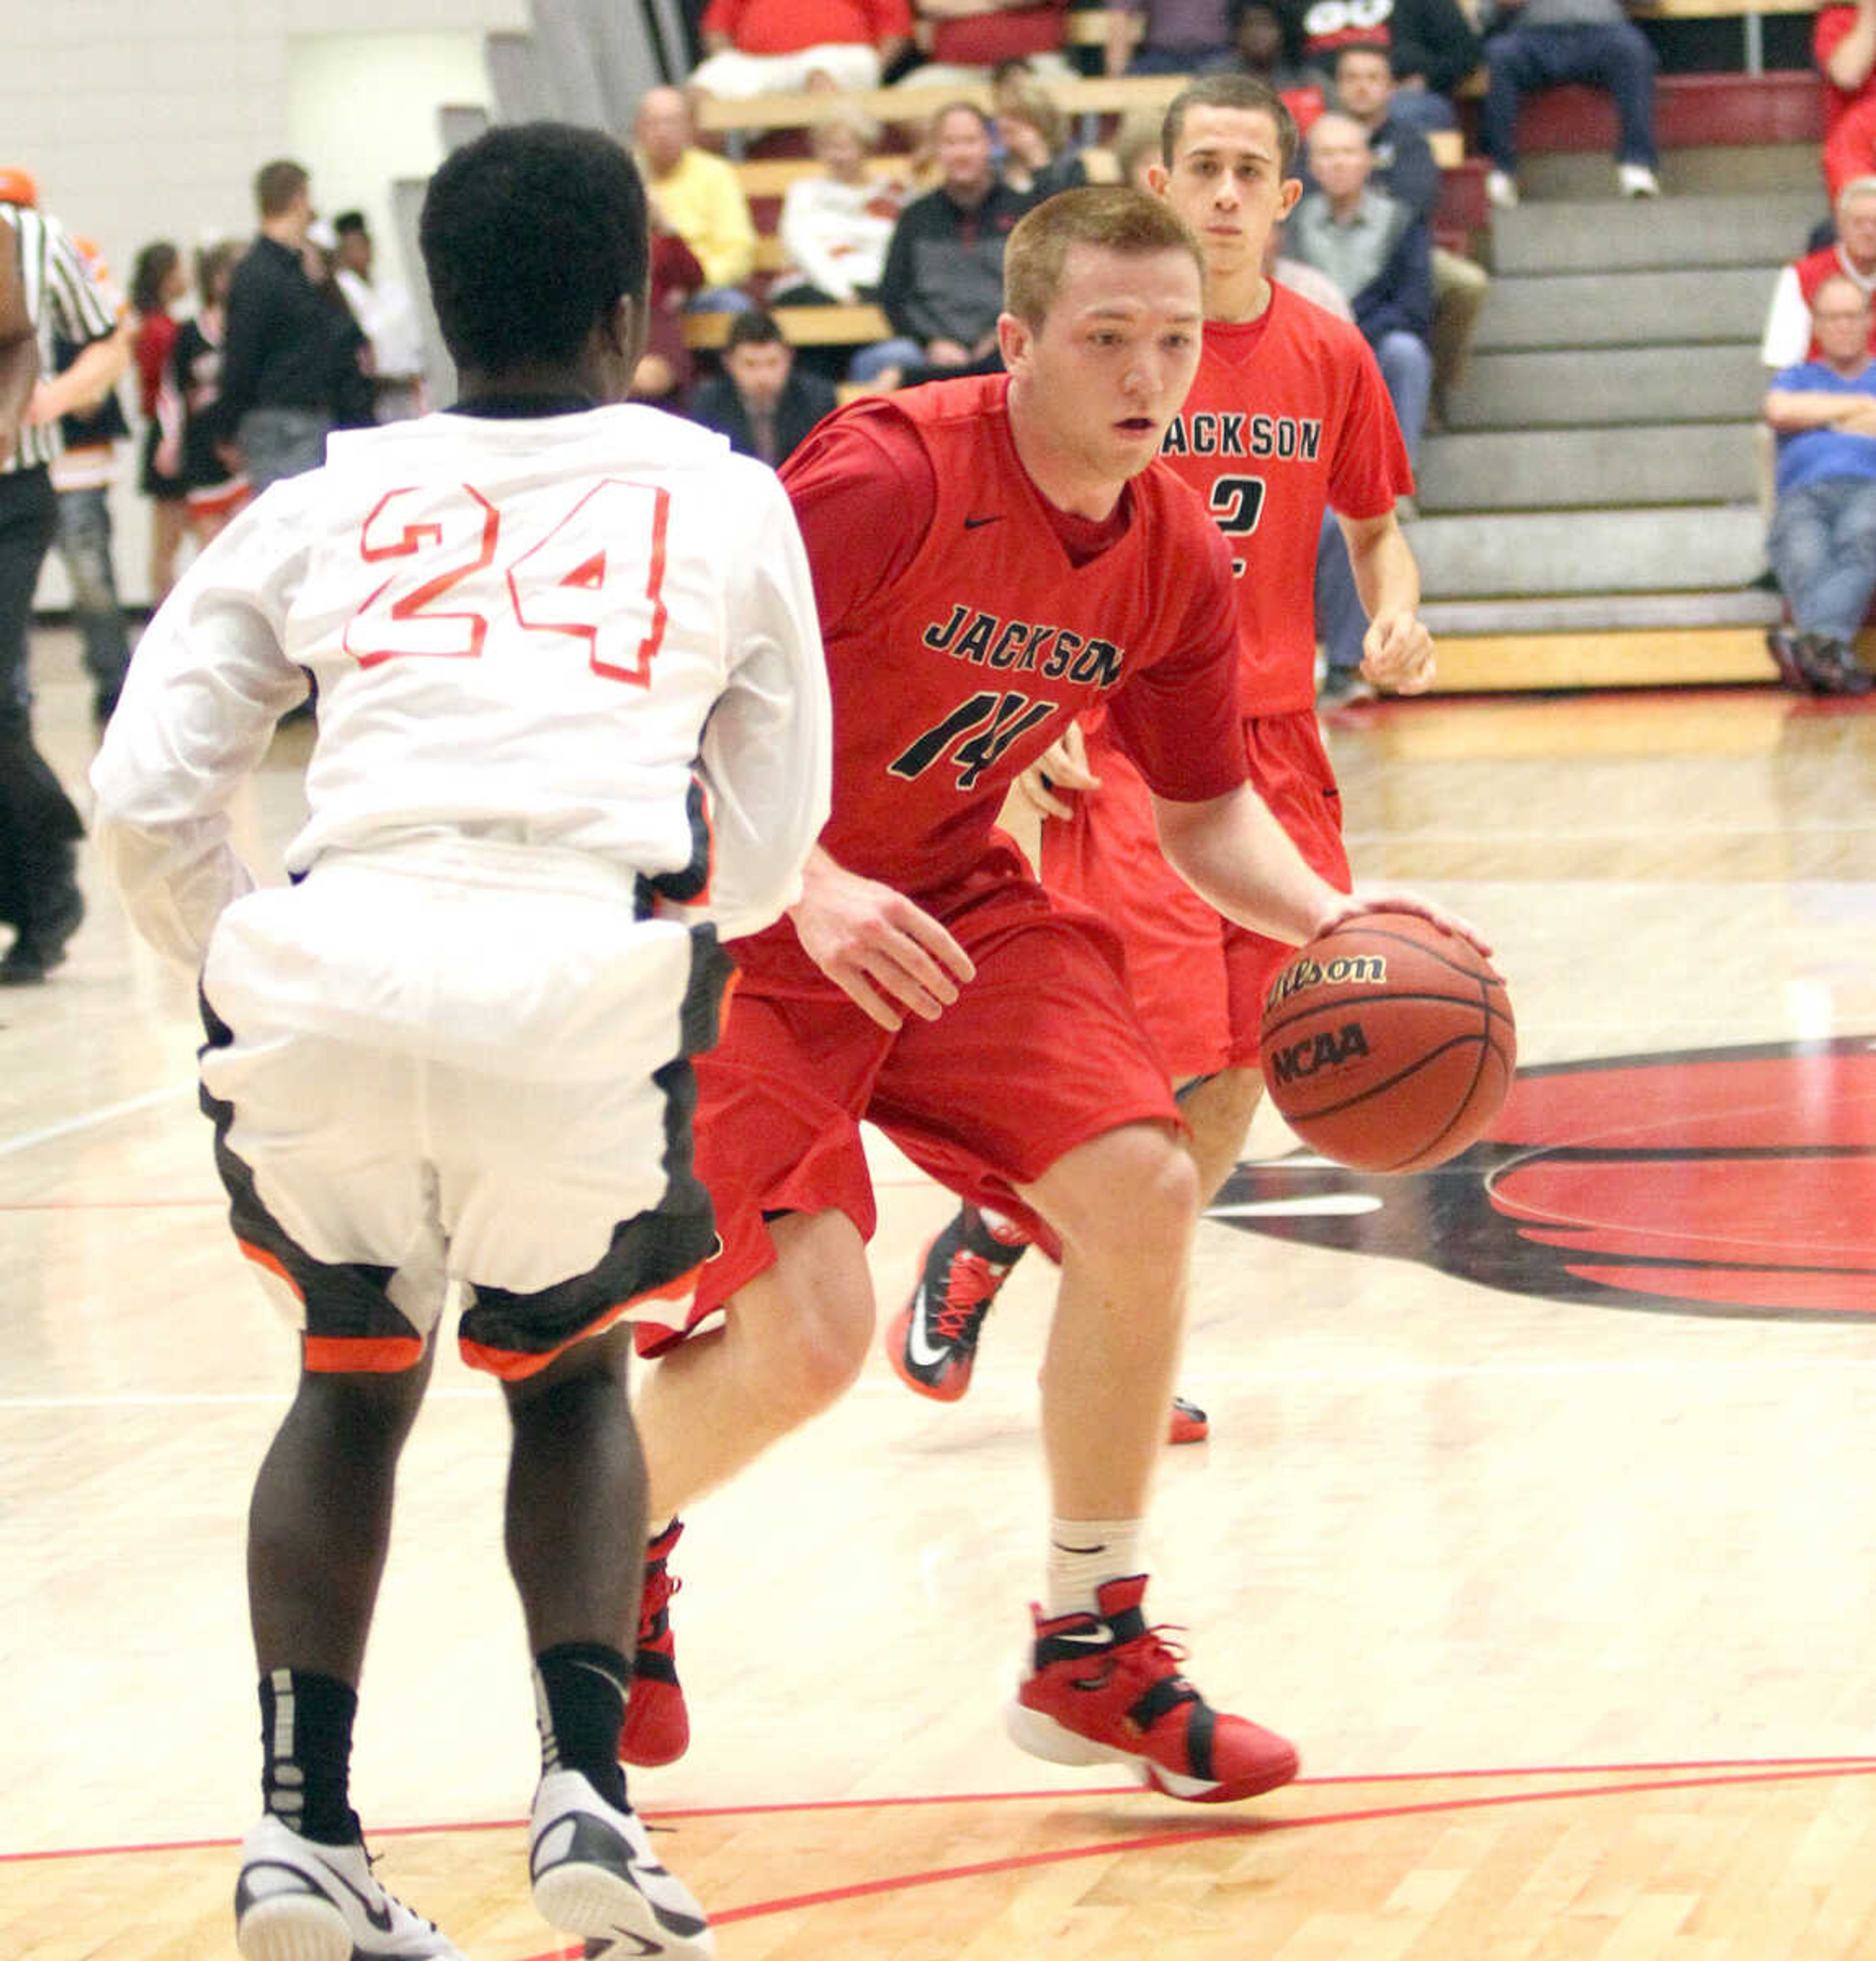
{"x": 566, "y": 583}
{"x": 1236, "y": 503}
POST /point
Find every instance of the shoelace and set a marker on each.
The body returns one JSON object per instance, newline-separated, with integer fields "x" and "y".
{"x": 391, "y": 1898}
{"x": 959, "y": 1319}
{"x": 1149, "y": 1658}
{"x": 659, "y": 1585}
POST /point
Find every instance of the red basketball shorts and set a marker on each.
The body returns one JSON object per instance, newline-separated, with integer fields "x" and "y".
{"x": 1041, "y": 1051}
{"x": 1198, "y": 981}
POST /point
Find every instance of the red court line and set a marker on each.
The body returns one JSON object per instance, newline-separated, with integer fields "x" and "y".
{"x": 1238, "y": 1828}
{"x": 1764, "y": 1769}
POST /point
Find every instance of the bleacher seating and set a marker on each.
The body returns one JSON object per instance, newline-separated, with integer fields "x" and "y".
{"x": 1586, "y": 517}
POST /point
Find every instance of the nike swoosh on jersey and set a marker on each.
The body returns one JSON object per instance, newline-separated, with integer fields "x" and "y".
{"x": 972, "y": 524}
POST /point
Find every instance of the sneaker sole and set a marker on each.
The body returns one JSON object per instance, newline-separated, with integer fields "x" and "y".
{"x": 950, "y": 1390}
{"x": 294, "y": 1927}
{"x": 598, "y": 1904}
{"x": 1042, "y": 1737}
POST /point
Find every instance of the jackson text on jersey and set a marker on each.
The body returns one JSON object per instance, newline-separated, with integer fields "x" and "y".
{"x": 1022, "y": 646}
{"x": 1285, "y": 438}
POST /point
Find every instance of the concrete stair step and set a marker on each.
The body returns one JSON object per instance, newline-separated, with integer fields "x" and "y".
{"x": 1530, "y": 555}
{"x": 1609, "y": 236}
{"x": 1709, "y": 170}
{"x": 1548, "y": 470}
{"x": 1606, "y": 387}
{"x": 1603, "y": 613}
{"x": 1580, "y": 310}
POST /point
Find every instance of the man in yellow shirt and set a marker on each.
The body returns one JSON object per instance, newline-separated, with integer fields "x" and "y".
{"x": 697, "y": 196}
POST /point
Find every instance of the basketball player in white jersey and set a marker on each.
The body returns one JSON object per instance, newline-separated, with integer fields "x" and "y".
{"x": 574, "y": 731}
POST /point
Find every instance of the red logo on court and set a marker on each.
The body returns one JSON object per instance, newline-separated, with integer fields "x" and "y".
{"x": 1726, "y": 1182}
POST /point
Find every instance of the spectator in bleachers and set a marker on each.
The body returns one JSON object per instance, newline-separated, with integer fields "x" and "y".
{"x": 1433, "y": 44}
{"x": 1822, "y": 541}
{"x": 763, "y": 401}
{"x": 1367, "y": 92}
{"x": 1267, "y": 44}
{"x": 1789, "y": 337}
{"x": 1849, "y": 154}
{"x": 1548, "y": 42}
{"x": 1137, "y": 145}
{"x": 964, "y": 41}
{"x": 762, "y": 47}
{"x": 1376, "y": 249}
{"x": 942, "y": 288}
{"x": 664, "y": 370}
{"x": 697, "y": 196}
{"x": 835, "y": 226}
{"x": 1039, "y": 159}
{"x": 1167, "y": 37}
{"x": 156, "y": 283}
{"x": 1843, "y": 45}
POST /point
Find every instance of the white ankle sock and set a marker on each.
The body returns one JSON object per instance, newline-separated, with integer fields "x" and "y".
{"x": 1083, "y": 1555}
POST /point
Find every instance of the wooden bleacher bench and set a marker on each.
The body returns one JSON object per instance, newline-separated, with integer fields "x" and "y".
{"x": 802, "y": 327}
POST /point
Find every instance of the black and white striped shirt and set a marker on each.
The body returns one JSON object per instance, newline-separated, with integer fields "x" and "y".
{"x": 63, "y": 302}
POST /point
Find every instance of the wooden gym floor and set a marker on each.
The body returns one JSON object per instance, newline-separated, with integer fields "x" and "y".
{"x": 1537, "y": 1508}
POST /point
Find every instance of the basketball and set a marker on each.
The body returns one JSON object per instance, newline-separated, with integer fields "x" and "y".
{"x": 1388, "y": 1044}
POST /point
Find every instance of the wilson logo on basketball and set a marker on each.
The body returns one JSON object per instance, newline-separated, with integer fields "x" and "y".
{"x": 1326, "y": 1050}
{"x": 1309, "y": 972}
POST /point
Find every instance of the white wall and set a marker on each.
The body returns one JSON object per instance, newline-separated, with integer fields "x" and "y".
{"x": 147, "y": 119}
{"x": 353, "y": 118}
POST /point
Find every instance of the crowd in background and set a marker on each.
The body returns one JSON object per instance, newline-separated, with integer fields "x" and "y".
{"x": 244, "y": 355}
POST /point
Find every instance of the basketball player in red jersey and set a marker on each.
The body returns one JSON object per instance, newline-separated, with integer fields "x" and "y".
{"x": 991, "y": 557}
{"x": 1288, "y": 416}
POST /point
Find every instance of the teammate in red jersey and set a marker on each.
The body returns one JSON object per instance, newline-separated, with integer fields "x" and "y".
{"x": 1288, "y": 416}
{"x": 991, "y": 556}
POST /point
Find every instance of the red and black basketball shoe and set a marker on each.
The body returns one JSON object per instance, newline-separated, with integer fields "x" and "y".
{"x": 657, "y": 1728}
{"x": 1190, "y": 1424}
{"x": 1107, "y": 1689}
{"x": 932, "y": 1342}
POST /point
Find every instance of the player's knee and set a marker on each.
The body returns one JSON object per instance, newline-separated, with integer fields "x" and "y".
{"x": 372, "y": 1410}
{"x": 811, "y": 1315}
{"x": 1153, "y": 1226}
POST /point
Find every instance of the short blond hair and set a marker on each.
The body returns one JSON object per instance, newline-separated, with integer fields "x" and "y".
{"x": 1112, "y": 217}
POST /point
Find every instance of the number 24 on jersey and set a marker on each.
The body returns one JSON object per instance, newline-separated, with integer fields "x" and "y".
{"x": 598, "y": 576}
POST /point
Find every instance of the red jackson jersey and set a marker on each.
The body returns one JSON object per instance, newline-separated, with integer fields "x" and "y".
{"x": 1289, "y": 414}
{"x": 967, "y": 621}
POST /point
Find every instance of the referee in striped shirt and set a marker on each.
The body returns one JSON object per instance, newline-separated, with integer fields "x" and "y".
{"x": 38, "y": 827}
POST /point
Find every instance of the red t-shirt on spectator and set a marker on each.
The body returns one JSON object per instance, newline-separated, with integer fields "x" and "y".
{"x": 786, "y": 27}
{"x": 1833, "y": 22}
{"x": 982, "y": 40}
